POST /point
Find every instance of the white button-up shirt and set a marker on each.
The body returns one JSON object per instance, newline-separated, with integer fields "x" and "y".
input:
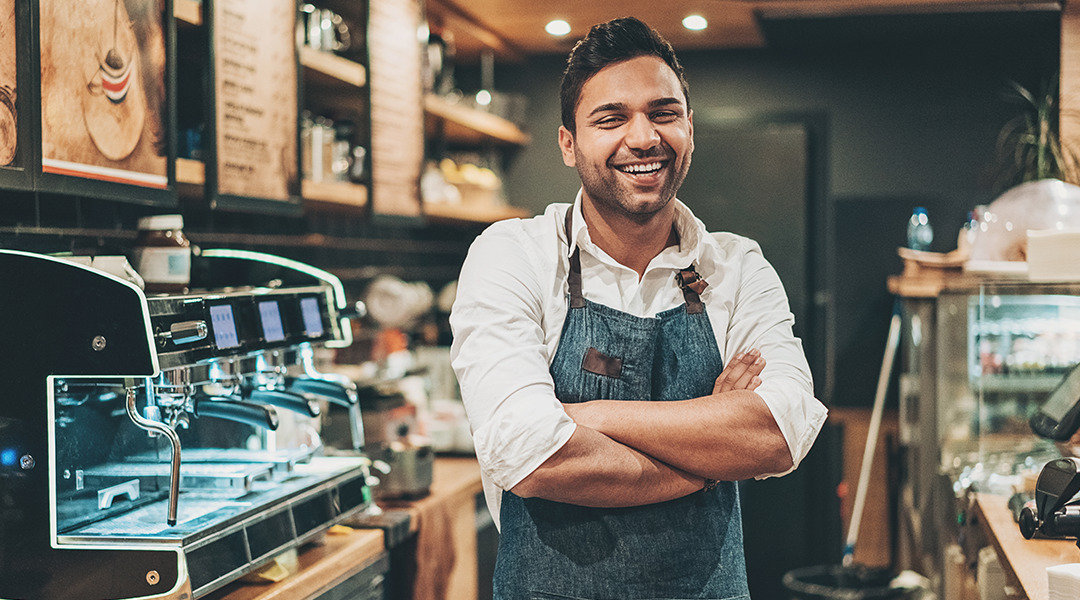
{"x": 512, "y": 300}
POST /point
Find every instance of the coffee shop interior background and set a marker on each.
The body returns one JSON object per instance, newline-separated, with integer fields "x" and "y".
{"x": 818, "y": 144}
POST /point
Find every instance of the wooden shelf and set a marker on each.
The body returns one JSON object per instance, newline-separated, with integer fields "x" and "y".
{"x": 191, "y": 172}
{"x": 468, "y": 125}
{"x": 337, "y": 194}
{"x": 473, "y": 213}
{"x": 334, "y": 67}
{"x": 188, "y": 11}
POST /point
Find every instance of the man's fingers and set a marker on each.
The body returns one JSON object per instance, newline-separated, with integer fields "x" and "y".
{"x": 740, "y": 372}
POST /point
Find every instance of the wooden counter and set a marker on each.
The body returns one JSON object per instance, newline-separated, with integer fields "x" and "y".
{"x": 1024, "y": 561}
{"x": 340, "y": 554}
{"x": 442, "y": 549}
{"x": 444, "y": 564}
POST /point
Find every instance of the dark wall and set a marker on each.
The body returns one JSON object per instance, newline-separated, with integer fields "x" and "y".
{"x": 912, "y": 106}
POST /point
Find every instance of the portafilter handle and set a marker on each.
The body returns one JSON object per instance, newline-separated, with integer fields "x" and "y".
{"x": 282, "y": 399}
{"x": 249, "y": 413}
{"x": 333, "y": 391}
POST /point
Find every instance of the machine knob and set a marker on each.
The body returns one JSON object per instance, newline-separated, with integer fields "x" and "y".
{"x": 184, "y": 332}
{"x": 1029, "y": 522}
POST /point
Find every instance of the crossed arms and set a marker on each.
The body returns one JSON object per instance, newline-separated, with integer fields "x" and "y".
{"x": 633, "y": 453}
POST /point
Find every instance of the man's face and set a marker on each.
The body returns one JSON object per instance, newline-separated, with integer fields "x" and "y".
{"x": 634, "y": 137}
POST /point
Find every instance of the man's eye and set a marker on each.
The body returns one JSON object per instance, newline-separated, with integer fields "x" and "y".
{"x": 609, "y": 122}
{"x": 665, "y": 116}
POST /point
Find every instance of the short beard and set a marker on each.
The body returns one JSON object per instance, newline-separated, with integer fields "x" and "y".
{"x": 603, "y": 189}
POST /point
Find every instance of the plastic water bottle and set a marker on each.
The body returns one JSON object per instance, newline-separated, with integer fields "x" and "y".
{"x": 919, "y": 231}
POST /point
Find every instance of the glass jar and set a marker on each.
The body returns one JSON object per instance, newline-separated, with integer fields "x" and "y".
{"x": 162, "y": 255}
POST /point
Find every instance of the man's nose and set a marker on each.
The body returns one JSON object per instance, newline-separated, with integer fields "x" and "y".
{"x": 642, "y": 134}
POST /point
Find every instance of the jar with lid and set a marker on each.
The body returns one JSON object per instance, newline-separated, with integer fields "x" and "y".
{"x": 162, "y": 255}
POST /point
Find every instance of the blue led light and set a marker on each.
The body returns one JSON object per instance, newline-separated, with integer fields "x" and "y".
{"x": 8, "y": 457}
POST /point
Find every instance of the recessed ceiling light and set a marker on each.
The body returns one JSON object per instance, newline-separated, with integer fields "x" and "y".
{"x": 557, "y": 27}
{"x": 695, "y": 23}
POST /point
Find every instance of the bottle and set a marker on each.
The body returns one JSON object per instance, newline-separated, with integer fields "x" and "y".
{"x": 162, "y": 255}
{"x": 919, "y": 231}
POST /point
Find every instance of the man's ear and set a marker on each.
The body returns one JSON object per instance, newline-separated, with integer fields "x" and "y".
{"x": 690, "y": 120}
{"x": 566, "y": 146}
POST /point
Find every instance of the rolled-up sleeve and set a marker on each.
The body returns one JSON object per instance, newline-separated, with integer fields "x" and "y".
{"x": 762, "y": 319}
{"x": 500, "y": 359}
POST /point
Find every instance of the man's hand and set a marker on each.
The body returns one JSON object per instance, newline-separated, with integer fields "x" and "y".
{"x": 741, "y": 373}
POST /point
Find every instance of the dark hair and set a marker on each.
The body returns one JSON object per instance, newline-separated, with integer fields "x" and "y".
{"x": 609, "y": 43}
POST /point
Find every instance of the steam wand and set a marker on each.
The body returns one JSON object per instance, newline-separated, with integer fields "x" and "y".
{"x": 168, "y": 432}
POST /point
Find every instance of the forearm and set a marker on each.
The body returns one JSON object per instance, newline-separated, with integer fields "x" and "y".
{"x": 591, "y": 469}
{"x": 730, "y": 437}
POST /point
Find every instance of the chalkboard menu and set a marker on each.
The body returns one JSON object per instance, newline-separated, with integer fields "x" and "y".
{"x": 255, "y": 164}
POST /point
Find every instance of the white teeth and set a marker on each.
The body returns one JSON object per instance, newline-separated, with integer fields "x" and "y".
{"x": 645, "y": 168}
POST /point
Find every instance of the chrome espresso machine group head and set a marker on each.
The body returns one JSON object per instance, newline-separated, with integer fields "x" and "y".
{"x": 162, "y": 446}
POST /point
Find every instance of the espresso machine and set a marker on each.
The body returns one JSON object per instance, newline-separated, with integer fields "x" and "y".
{"x": 161, "y": 446}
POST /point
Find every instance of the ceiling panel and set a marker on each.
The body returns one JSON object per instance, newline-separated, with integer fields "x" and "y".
{"x": 514, "y": 29}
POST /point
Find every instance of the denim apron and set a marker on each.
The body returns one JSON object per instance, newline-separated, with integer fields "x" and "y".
{"x": 690, "y": 547}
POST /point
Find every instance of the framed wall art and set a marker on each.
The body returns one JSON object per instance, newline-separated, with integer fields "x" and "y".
{"x": 105, "y": 117}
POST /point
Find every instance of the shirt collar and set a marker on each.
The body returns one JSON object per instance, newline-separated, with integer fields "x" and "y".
{"x": 690, "y": 232}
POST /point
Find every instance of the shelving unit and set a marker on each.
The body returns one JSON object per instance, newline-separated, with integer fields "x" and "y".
{"x": 466, "y": 125}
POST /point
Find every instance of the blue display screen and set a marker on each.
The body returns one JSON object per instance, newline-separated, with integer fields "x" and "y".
{"x": 309, "y": 310}
{"x": 273, "y": 330}
{"x": 221, "y": 318}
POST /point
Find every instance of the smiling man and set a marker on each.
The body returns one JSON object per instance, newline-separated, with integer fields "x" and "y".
{"x": 621, "y": 366}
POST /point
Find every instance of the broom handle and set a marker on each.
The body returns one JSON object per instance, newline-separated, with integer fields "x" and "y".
{"x": 872, "y": 437}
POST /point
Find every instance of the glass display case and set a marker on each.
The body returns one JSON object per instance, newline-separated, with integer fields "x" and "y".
{"x": 978, "y": 358}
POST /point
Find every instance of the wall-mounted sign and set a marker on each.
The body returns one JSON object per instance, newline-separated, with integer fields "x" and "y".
{"x": 103, "y": 91}
{"x": 255, "y": 105}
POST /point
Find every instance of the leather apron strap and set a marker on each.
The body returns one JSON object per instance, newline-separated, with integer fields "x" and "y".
{"x": 689, "y": 280}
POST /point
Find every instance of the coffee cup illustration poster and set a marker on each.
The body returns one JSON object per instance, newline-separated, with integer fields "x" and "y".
{"x": 103, "y": 90}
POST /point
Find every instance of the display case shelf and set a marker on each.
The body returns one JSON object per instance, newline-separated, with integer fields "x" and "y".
{"x": 462, "y": 124}
{"x": 1016, "y": 383}
{"x": 326, "y": 68}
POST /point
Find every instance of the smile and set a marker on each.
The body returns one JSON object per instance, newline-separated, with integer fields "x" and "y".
{"x": 642, "y": 169}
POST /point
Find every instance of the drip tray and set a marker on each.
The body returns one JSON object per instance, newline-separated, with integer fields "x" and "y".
{"x": 284, "y": 461}
{"x": 238, "y": 478}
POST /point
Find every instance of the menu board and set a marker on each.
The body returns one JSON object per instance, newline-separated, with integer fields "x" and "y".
{"x": 103, "y": 94}
{"x": 255, "y": 99}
